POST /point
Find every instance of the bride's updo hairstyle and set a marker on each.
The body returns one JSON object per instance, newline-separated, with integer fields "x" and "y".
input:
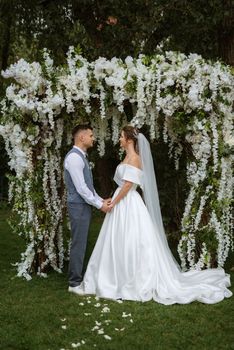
{"x": 131, "y": 133}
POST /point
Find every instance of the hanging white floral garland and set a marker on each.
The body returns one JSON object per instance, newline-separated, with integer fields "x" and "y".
{"x": 184, "y": 98}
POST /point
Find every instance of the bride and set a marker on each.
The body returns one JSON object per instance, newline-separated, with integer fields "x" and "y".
{"x": 131, "y": 259}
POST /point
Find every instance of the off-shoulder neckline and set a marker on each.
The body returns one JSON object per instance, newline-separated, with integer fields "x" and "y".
{"x": 129, "y": 165}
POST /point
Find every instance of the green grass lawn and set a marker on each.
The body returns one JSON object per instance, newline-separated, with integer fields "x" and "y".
{"x": 41, "y": 314}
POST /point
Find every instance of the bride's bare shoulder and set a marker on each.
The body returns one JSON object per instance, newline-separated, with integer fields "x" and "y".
{"x": 135, "y": 161}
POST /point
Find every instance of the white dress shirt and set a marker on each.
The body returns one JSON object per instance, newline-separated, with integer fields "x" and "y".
{"x": 75, "y": 165}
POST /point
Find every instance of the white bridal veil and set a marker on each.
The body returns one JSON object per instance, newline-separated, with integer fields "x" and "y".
{"x": 150, "y": 191}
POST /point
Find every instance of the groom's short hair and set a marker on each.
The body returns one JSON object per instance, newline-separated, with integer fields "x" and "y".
{"x": 79, "y": 128}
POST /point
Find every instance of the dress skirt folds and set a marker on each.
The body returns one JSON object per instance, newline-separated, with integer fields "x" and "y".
{"x": 129, "y": 261}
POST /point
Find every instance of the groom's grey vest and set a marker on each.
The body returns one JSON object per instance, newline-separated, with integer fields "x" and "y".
{"x": 72, "y": 194}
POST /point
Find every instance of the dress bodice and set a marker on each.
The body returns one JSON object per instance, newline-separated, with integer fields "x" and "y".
{"x": 126, "y": 172}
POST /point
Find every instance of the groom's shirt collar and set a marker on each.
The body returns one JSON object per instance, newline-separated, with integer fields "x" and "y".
{"x": 83, "y": 152}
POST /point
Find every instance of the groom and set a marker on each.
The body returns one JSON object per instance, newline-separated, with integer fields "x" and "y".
{"x": 81, "y": 195}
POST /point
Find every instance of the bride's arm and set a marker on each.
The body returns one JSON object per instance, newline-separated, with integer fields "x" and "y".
{"x": 127, "y": 184}
{"x": 122, "y": 193}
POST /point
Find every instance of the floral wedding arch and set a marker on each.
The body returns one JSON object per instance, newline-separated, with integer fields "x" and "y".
{"x": 191, "y": 97}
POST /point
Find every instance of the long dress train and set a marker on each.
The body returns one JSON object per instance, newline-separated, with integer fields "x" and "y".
{"x": 130, "y": 262}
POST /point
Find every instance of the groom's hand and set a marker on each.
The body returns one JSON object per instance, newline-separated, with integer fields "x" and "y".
{"x": 105, "y": 208}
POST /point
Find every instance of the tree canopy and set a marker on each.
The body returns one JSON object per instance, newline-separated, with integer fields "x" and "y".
{"x": 115, "y": 28}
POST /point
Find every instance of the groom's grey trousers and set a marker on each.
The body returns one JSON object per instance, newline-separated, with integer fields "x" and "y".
{"x": 80, "y": 216}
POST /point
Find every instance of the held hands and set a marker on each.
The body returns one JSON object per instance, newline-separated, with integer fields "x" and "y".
{"x": 107, "y": 205}
{"x": 108, "y": 200}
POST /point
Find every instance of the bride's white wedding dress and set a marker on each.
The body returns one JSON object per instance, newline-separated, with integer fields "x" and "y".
{"x": 130, "y": 261}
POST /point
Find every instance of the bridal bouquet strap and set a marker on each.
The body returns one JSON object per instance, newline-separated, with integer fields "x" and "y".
{"x": 184, "y": 99}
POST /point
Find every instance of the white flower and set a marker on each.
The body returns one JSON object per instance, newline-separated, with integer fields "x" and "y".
{"x": 229, "y": 141}
{"x": 105, "y": 309}
{"x": 107, "y": 337}
{"x": 75, "y": 345}
{"x": 129, "y": 62}
{"x": 120, "y": 329}
{"x": 107, "y": 322}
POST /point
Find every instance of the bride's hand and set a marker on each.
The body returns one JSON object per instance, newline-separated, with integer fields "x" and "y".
{"x": 111, "y": 205}
{"x": 108, "y": 201}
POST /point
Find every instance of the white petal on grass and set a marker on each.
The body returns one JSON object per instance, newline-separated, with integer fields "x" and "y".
{"x": 63, "y": 319}
{"x": 87, "y": 313}
{"x": 98, "y": 323}
{"x": 75, "y": 345}
{"x": 97, "y": 305}
{"x": 82, "y": 341}
{"x": 81, "y": 304}
{"x": 101, "y": 331}
{"x": 107, "y": 337}
{"x": 105, "y": 309}
{"x": 126, "y": 315}
{"x": 120, "y": 329}
{"x": 64, "y": 326}
{"x": 107, "y": 322}
{"x": 131, "y": 320}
